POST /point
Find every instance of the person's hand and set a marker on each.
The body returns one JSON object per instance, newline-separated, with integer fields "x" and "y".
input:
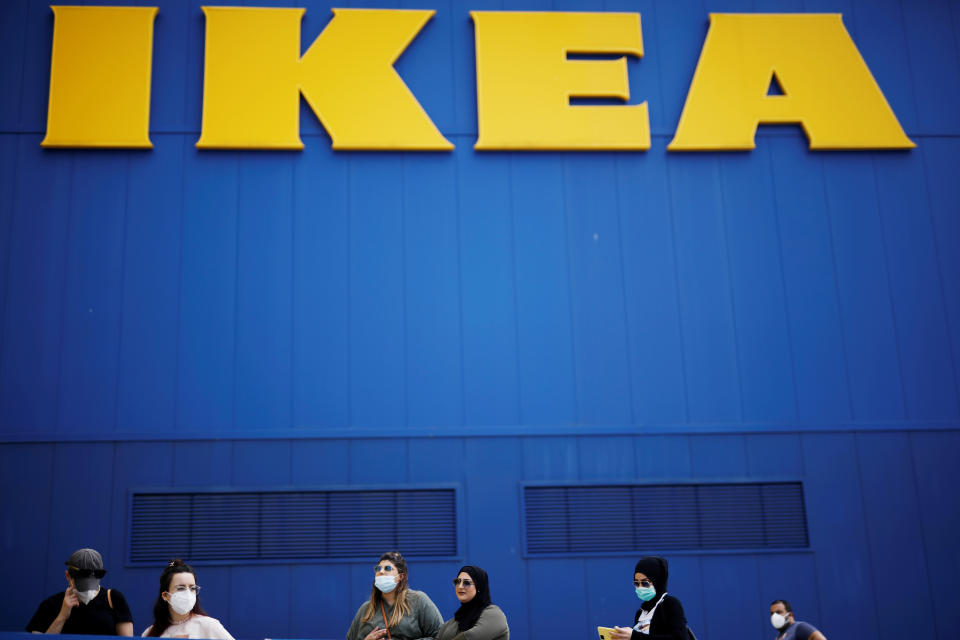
{"x": 376, "y": 634}
{"x": 70, "y": 600}
{"x": 621, "y": 633}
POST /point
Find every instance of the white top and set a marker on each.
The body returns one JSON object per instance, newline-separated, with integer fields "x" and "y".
{"x": 195, "y": 627}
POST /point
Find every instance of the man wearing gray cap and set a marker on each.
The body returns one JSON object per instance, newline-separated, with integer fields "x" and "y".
{"x": 84, "y": 607}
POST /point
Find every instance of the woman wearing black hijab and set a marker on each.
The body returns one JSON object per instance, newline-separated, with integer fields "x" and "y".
{"x": 660, "y": 616}
{"x": 484, "y": 621}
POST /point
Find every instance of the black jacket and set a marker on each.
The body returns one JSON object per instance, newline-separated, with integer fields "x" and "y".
{"x": 668, "y": 623}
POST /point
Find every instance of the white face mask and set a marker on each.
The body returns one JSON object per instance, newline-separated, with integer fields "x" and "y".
{"x": 778, "y": 620}
{"x": 386, "y": 584}
{"x": 86, "y": 596}
{"x": 182, "y": 601}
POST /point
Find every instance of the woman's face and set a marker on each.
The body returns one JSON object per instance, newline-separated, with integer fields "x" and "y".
{"x": 641, "y": 580}
{"x": 386, "y": 568}
{"x": 465, "y": 587}
{"x": 179, "y": 582}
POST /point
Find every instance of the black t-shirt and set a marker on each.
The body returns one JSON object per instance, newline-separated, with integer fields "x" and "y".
{"x": 94, "y": 618}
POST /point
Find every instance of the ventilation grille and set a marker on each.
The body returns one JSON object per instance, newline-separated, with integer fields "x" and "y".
{"x": 298, "y": 525}
{"x": 591, "y": 519}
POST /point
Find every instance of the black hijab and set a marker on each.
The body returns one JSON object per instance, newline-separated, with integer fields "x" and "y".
{"x": 655, "y": 568}
{"x": 469, "y": 612}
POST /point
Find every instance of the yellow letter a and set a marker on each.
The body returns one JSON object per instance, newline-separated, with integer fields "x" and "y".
{"x": 253, "y": 76}
{"x": 828, "y": 88}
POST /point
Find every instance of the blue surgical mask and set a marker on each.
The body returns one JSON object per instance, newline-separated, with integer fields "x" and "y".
{"x": 386, "y": 584}
{"x": 646, "y": 593}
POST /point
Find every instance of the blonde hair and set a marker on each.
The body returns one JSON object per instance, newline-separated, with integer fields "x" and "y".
{"x": 401, "y": 606}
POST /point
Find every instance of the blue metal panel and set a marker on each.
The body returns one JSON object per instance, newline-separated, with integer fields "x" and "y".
{"x": 810, "y": 282}
{"x": 208, "y": 292}
{"x": 918, "y": 309}
{"x": 662, "y": 457}
{"x": 546, "y": 364}
{"x": 736, "y": 578}
{"x": 320, "y": 606}
{"x": 934, "y": 461}
{"x": 709, "y": 348}
{"x": 596, "y": 273}
{"x": 718, "y": 457}
{"x": 430, "y": 76}
{"x": 91, "y": 308}
{"x": 13, "y": 23}
{"x": 378, "y": 461}
{"x": 146, "y": 375}
{"x": 36, "y": 67}
{"x": 887, "y": 469}
{"x": 490, "y": 392}
{"x": 606, "y": 458}
{"x": 431, "y": 287}
{"x": 8, "y": 175}
{"x": 203, "y": 464}
{"x": 756, "y": 273}
{"x": 264, "y": 292}
{"x": 25, "y": 525}
{"x": 261, "y": 464}
{"x": 550, "y": 458}
{"x": 567, "y": 606}
{"x": 176, "y": 58}
{"x": 269, "y": 588}
{"x": 318, "y": 462}
{"x": 320, "y": 288}
{"x": 838, "y": 533}
{"x": 940, "y": 159}
{"x": 680, "y": 29}
{"x": 655, "y": 344}
{"x": 774, "y": 456}
{"x": 865, "y": 305}
{"x": 377, "y": 352}
{"x": 36, "y": 275}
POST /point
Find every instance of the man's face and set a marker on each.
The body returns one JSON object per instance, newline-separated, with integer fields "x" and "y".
{"x": 782, "y": 610}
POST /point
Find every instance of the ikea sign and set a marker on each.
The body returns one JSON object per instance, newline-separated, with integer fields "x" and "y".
{"x": 254, "y": 77}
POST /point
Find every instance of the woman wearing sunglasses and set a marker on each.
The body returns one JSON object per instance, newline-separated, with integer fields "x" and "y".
{"x": 394, "y": 611}
{"x": 660, "y": 616}
{"x": 177, "y": 612}
{"x": 484, "y": 620}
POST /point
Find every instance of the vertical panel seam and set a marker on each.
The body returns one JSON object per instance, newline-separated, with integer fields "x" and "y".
{"x": 678, "y": 296}
{"x": 123, "y": 277}
{"x": 891, "y": 302}
{"x": 623, "y": 290}
{"x": 23, "y": 65}
{"x": 8, "y": 277}
{"x": 457, "y": 223}
{"x": 184, "y": 145}
{"x": 783, "y": 284}
{"x": 731, "y": 287}
{"x": 866, "y": 534}
{"x": 836, "y": 284}
{"x": 940, "y": 285}
{"x": 236, "y": 286}
{"x": 910, "y": 74}
{"x": 923, "y": 528}
{"x": 349, "y": 301}
{"x": 64, "y": 287}
{"x": 571, "y": 291}
{"x": 292, "y": 403}
{"x": 405, "y": 309}
{"x": 515, "y": 311}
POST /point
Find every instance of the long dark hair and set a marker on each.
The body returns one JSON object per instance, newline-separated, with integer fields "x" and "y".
{"x": 161, "y": 609}
{"x": 400, "y": 606}
{"x": 469, "y": 612}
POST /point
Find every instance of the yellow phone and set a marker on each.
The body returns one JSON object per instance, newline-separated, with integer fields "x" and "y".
{"x": 605, "y": 633}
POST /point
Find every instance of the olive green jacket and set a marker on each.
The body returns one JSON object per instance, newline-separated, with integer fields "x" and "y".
{"x": 422, "y": 623}
{"x": 492, "y": 625}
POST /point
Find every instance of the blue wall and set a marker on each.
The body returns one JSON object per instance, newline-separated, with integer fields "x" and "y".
{"x": 182, "y": 318}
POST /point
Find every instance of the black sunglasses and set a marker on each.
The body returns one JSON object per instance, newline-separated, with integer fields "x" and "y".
{"x": 642, "y": 583}
{"x": 458, "y": 581}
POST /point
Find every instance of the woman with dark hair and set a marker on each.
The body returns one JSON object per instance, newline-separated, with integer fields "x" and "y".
{"x": 483, "y": 619}
{"x": 177, "y": 612}
{"x": 660, "y": 616}
{"x": 394, "y": 611}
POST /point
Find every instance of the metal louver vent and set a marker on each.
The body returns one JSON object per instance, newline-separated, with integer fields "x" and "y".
{"x": 598, "y": 519}
{"x": 226, "y": 527}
